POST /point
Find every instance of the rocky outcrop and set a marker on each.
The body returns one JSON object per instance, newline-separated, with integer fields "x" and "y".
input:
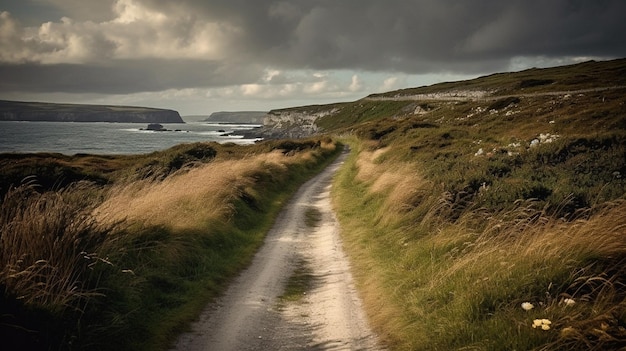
{"x": 293, "y": 123}
{"x": 48, "y": 112}
{"x": 156, "y": 127}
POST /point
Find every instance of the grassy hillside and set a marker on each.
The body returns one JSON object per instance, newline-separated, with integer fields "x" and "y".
{"x": 460, "y": 209}
{"x": 574, "y": 77}
{"x": 122, "y": 252}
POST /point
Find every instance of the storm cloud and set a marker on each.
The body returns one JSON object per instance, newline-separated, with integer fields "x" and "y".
{"x": 125, "y": 46}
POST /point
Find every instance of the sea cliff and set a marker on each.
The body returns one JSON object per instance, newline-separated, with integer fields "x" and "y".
{"x": 49, "y": 112}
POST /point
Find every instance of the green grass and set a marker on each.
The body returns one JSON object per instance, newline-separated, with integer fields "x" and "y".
{"x": 299, "y": 283}
{"x": 453, "y": 219}
{"x": 573, "y": 77}
{"x": 458, "y": 282}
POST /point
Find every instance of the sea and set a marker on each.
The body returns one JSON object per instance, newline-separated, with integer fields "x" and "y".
{"x": 72, "y": 138}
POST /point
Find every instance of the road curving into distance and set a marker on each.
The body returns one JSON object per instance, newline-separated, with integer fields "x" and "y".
{"x": 328, "y": 316}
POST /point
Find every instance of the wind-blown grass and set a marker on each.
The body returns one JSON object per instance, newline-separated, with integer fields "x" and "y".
{"x": 458, "y": 215}
{"x": 459, "y": 282}
{"x": 128, "y": 266}
{"x": 50, "y": 249}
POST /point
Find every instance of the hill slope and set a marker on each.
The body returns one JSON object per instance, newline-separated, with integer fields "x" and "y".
{"x": 490, "y": 214}
{"x": 49, "y": 112}
{"x": 581, "y": 84}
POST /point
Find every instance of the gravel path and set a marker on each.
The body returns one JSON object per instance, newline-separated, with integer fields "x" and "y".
{"x": 251, "y": 316}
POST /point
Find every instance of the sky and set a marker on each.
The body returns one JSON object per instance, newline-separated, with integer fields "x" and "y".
{"x": 204, "y": 56}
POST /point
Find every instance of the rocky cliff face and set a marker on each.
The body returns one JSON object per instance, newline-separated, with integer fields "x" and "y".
{"x": 293, "y": 123}
{"x": 47, "y": 112}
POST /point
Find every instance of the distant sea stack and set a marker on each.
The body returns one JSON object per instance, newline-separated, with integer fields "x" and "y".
{"x": 49, "y": 112}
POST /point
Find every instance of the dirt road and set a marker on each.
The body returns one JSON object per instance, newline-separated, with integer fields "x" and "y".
{"x": 327, "y": 316}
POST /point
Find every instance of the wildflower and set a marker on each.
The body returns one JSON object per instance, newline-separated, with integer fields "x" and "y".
{"x": 569, "y": 302}
{"x": 527, "y": 306}
{"x": 544, "y": 324}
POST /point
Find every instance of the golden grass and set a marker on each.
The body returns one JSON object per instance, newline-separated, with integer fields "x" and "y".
{"x": 48, "y": 244}
{"x": 191, "y": 199}
{"x": 581, "y": 260}
{"x": 402, "y": 185}
{"x": 371, "y": 272}
{"x": 532, "y": 239}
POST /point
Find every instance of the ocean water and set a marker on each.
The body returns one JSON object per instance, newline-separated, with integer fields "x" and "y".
{"x": 109, "y": 138}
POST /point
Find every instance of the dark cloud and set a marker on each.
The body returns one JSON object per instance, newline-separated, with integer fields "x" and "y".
{"x": 124, "y": 77}
{"x": 410, "y": 36}
{"x": 462, "y": 36}
{"x": 416, "y": 36}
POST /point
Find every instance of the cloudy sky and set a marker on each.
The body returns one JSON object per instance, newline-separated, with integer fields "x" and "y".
{"x": 202, "y": 56}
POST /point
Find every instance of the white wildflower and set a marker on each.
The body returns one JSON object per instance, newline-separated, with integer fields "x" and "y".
{"x": 527, "y": 306}
{"x": 569, "y": 302}
{"x": 544, "y": 324}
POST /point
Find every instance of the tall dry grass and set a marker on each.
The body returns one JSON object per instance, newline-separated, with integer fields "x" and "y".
{"x": 401, "y": 185}
{"x": 526, "y": 255}
{"x": 193, "y": 198}
{"x": 49, "y": 243}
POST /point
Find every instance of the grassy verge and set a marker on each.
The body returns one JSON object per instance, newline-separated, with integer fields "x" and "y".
{"x": 130, "y": 265}
{"x": 438, "y": 275}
